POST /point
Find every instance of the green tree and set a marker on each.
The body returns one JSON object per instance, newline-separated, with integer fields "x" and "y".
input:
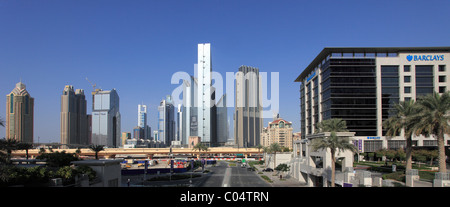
{"x": 400, "y": 121}
{"x": 400, "y": 154}
{"x": 282, "y": 167}
{"x": 96, "y": 149}
{"x": 58, "y": 159}
{"x": 419, "y": 155}
{"x": 390, "y": 154}
{"x": 433, "y": 119}
{"x": 332, "y": 142}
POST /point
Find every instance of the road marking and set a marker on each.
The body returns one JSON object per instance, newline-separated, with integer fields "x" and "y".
{"x": 226, "y": 177}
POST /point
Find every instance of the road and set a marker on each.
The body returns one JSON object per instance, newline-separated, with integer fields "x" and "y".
{"x": 223, "y": 175}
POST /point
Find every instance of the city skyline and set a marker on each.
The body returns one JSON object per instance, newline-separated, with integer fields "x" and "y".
{"x": 137, "y": 47}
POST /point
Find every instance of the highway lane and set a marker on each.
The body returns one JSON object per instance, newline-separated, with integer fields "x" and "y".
{"x": 223, "y": 175}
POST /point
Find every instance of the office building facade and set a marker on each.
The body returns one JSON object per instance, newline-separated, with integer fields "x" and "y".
{"x": 19, "y": 114}
{"x": 166, "y": 121}
{"x": 106, "y": 118}
{"x": 248, "y": 120}
{"x": 361, "y": 85}
{"x": 74, "y": 119}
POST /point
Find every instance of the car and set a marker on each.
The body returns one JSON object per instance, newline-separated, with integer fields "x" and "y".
{"x": 251, "y": 169}
{"x": 268, "y": 170}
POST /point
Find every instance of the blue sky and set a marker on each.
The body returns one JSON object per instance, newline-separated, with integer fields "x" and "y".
{"x": 136, "y": 46}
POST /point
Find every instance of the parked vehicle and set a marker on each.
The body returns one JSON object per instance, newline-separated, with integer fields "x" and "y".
{"x": 268, "y": 170}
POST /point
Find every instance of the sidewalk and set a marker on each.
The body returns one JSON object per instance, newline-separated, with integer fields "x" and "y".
{"x": 286, "y": 181}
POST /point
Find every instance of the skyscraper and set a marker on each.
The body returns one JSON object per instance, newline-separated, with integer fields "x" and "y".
{"x": 142, "y": 121}
{"x": 166, "y": 121}
{"x": 205, "y": 96}
{"x": 105, "y": 118}
{"x": 74, "y": 120}
{"x": 222, "y": 120}
{"x": 248, "y": 110}
{"x": 362, "y": 85}
{"x": 19, "y": 114}
{"x": 189, "y": 124}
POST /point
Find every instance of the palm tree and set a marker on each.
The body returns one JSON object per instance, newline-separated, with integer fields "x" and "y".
{"x": 2, "y": 123}
{"x": 433, "y": 119}
{"x": 333, "y": 142}
{"x": 200, "y": 147}
{"x": 400, "y": 121}
{"x": 96, "y": 149}
{"x": 274, "y": 148}
{"x": 24, "y": 146}
{"x": 259, "y": 147}
{"x": 265, "y": 151}
{"x": 8, "y": 145}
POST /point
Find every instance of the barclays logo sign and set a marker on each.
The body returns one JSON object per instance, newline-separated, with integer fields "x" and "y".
{"x": 425, "y": 58}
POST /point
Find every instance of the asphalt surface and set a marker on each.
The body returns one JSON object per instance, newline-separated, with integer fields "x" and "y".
{"x": 223, "y": 175}
{"x": 220, "y": 175}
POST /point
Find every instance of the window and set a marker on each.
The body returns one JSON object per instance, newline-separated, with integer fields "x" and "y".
{"x": 335, "y": 54}
{"x": 442, "y": 89}
{"x": 442, "y": 79}
{"x": 407, "y": 79}
{"x": 406, "y": 68}
{"x": 370, "y": 54}
{"x": 407, "y": 89}
{"x": 372, "y": 145}
{"x": 441, "y": 68}
{"x": 407, "y": 98}
{"x": 11, "y": 110}
{"x": 381, "y": 54}
{"x": 27, "y": 104}
{"x": 392, "y": 54}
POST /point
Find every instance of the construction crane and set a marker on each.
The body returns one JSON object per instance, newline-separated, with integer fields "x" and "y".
{"x": 93, "y": 86}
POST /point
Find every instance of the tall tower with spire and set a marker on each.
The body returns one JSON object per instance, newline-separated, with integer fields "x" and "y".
{"x": 19, "y": 114}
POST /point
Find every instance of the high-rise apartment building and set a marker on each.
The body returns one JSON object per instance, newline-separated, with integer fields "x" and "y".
{"x": 166, "y": 121}
{"x": 248, "y": 120}
{"x": 19, "y": 114}
{"x": 105, "y": 118}
{"x": 361, "y": 85}
{"x": 74, "y": 119}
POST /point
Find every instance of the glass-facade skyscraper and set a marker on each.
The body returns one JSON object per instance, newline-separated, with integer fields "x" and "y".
{"x": 361, "y": 86}
{"x": 105, "y": 118}
{"x": 142, "y": 122}
{"x": 166, "y": 121}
